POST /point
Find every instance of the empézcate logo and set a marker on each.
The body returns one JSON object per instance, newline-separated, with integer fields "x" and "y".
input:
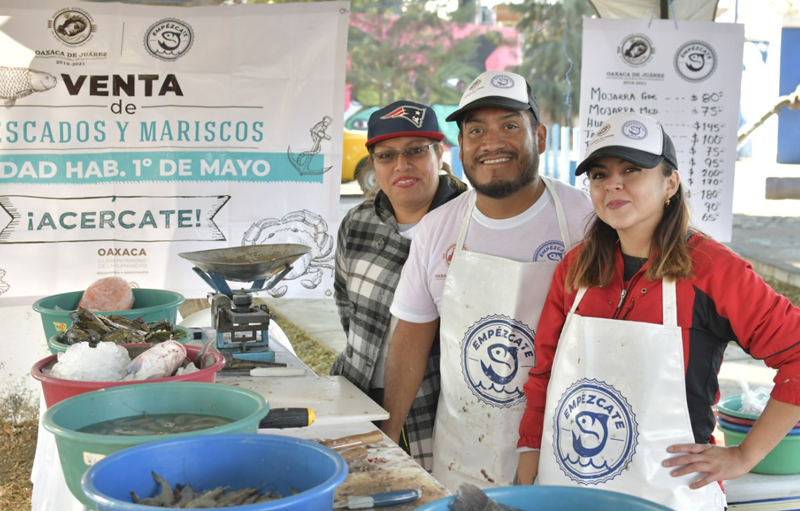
{"x": 496, "y": 355}
{"x": 634, "y": 130}
{"x": 595, "y": 432}
{"x": 695, "y": 61}
{"x": 169, "y": 39}
{"x": 503, "y": 82}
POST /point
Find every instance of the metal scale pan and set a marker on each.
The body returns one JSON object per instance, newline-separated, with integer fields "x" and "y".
{"x": 249, "y": 263}
{"x": 240, "y": 327}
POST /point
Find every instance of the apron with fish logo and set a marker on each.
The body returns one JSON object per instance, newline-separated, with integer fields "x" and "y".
{"x": 616, "y": 400}
{"x": 490, "y": 310}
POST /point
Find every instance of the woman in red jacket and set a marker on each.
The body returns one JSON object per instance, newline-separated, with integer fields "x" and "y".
{"x": 632, "y": 336}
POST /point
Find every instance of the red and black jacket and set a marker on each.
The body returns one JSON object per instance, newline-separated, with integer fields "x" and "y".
{"x": 724, "y": 301}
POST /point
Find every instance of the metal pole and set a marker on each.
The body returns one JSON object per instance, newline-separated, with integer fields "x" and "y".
{"x": 664, "y": 9}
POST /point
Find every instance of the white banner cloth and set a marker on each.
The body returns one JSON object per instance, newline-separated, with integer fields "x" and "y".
{"x": 131, "y": 133}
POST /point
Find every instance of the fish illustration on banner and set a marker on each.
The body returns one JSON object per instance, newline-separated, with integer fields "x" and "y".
{"x": 302, "y": 161}
{"x": 302, "y": 227}
{"x": 20, "y": 82}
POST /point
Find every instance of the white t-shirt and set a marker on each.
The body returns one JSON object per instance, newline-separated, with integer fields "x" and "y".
{"x": 533, "y": 235}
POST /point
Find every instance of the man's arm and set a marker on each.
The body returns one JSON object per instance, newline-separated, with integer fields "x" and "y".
{"x": 405, "y": 367}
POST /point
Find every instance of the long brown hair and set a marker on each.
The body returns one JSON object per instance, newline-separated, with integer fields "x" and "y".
{"x": 669, "y": 252}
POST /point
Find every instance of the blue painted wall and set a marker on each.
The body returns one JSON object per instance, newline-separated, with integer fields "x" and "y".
{"x": 789, "y": 120}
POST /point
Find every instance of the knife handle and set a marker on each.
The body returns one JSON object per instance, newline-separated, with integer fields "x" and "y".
{"x": 353, "y": 440}
{"x": 383, "y": 499}
{"x": 287, "y": 418}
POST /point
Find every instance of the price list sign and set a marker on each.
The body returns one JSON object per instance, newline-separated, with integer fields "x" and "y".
{"x": 685, "y": 74}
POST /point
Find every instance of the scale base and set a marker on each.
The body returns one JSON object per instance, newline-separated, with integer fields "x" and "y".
{"x": 258, "y": 353}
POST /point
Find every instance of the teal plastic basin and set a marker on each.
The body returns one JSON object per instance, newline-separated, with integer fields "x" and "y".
{"x": 78, "y": 451}
{"x": 149, "y": 304}
{"x": 784, "y": 459}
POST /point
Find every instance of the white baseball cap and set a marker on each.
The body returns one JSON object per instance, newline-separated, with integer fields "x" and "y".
{"x": 636, "y": 138}
{"x": 499, "y": 89}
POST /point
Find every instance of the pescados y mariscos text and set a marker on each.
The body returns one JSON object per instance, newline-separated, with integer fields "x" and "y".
{"x": 83, "y": 132}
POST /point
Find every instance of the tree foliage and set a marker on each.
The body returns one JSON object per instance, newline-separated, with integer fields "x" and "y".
{"x": 412, "y": 56}
{"x": 546, "y": 58}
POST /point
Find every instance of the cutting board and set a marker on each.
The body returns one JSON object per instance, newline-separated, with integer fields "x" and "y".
{"x": 333, "y": 399}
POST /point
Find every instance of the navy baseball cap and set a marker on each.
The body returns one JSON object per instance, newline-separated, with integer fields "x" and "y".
{"x": 499, "y": 89}
{"x": 636, "y": 138}
{"x": 402, "y": 119}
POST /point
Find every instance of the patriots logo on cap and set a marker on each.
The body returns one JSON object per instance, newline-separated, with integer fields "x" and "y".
{"x": 412, "y": 114}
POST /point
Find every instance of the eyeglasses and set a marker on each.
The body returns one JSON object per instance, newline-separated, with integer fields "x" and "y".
{"x": 411, "y": 153}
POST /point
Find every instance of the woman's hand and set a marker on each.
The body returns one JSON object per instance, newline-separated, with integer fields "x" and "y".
{"x": 719, "y": 463}
{"x": 527, "y": 468}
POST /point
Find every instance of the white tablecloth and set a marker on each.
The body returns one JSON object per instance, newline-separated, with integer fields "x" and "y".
{"x": 327, "y": 395}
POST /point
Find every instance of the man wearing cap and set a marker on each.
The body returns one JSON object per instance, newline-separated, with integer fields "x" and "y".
{"x": 478, "y": 273}
{"x": 403, "y": 139}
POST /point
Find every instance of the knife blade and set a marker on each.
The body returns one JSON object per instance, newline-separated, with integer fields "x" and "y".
{"x": 378, "y": 500}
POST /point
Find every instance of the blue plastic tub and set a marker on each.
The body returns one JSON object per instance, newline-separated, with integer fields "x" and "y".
{"x": 267, "y": 462}
{"x": 559, "y": 498}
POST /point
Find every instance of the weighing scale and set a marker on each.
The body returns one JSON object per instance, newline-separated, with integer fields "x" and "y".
{"x": 241, "y": 329}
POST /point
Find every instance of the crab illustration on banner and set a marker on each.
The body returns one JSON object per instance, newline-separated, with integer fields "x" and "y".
{"x": 302, "y": 227}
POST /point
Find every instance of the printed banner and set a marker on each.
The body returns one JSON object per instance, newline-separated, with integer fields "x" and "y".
{"x": 131, "y": 133}
{"x": 685, "y": 74}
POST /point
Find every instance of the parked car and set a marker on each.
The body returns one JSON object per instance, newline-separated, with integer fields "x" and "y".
{"x": 354, "y": 160}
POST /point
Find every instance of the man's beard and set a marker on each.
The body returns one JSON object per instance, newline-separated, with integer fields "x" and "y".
{"x": 497, "y": 189}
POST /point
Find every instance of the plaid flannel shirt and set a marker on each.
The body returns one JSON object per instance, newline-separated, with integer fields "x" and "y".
{"x": 369, "y": 258}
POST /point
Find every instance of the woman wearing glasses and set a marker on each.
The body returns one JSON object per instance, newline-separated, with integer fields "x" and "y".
{"x": 373, "y": 244}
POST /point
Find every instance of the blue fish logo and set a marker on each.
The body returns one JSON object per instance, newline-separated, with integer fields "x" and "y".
{"x": 503, "y": 363}
{"x": 594, "y": 431}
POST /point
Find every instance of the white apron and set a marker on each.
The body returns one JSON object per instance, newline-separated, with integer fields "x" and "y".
{"x": 615, "y": 402}
{"x": 490, "y": 310}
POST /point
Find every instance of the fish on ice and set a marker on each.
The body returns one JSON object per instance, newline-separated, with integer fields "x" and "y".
{"x": 160, "y": 361}
{"x": 19, "y": 82}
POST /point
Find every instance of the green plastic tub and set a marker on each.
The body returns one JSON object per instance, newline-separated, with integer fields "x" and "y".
{"x": 78, "y": 451}
{"x": 784, "y": 459}
{"x": 149, "y": 304}
{"x": 181, "y": 335}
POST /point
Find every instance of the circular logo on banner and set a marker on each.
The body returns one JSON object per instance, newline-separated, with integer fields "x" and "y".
{"x": 72, "y": 26}
{"x": 168, "y": 39}
{"x": 549, "y": 252}
{"x": 503, "y": 82}
{"x": 634, "y": 130}
{"x": 595, "y": 432}
{"x": 695, "y": 61}
{"x": 496, "y": 354}
{"x": 636, "y": 50}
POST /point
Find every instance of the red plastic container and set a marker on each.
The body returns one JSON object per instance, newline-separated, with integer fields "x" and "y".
{"x": 58, "y": 389}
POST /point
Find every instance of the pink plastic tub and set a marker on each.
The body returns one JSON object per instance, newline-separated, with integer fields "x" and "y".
{"x": 57, "y": 389}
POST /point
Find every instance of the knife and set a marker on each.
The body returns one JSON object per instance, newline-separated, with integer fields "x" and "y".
{"x": 378, "y": 499}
